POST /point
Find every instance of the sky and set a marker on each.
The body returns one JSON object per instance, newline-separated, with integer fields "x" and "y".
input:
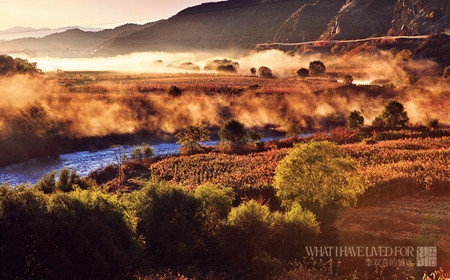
{"x": 90, "y": 13}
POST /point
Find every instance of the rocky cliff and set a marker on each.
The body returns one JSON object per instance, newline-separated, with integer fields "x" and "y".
{"x": 416, "y": 17}
{"x": 308, "y": 22}
{"x": 361, "y": 19}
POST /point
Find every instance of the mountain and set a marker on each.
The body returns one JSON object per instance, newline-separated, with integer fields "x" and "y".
{"x": 242, "y": 24}
{"x": 26, "y": 32}
{"x": 73, "y": 42}
{"x": 221, "y": 25}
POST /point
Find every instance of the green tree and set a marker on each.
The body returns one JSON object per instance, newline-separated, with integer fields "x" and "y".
{"x": 317, "y": 174}
{"x": 394, "y": 115}
{"x": 191, "y": 136}
{"x": 317, "y": 68}
{"x": 355, "y": 120}
{"x": 253, "y": 71}
{"x": 233, "y": 132}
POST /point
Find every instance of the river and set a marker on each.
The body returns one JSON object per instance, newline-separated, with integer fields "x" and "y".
{"x": 84, "y": 162}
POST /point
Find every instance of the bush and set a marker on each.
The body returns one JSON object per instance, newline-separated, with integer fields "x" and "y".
{"x": 355, "y": 120}
{"x": 369, "y": 141}
{"x": 191, "y": 136}
{"x": 68, "y": 180}
{"x": 317, "y": 68}
{"x": 76, "y": 235}
{"x": 216, "y": 203}
{"x": 143, "y": 151}
{"x": 446, "y": 73}
{"x": 303, "y": 72}
{"x": 292, "y": 231}
{"x": 265, "y": 72}
{"x": 244, "y": 237}
{"x": 255, "y": 239}
{"x": 394, "y": 115}
{"x": 174, "y": 91}
{"x": 403, "y": 55}
{"x": 297, "y": 179}
{"x": 294, "y": 129}
{"x": 170, "y": 220}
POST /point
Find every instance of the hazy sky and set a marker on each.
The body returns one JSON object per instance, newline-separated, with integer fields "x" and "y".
{"x": 101, "y": 13}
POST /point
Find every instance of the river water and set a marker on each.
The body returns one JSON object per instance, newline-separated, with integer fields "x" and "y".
{"x": 83, "y": 162}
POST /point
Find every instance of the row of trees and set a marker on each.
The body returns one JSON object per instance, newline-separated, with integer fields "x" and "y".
{"x": 232, "y": 133}
{"x": 394, "y": 115}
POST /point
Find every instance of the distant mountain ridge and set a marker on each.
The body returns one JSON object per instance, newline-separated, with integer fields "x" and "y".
{"x": 19, "y": 32}
{"x": 242, "y": 24}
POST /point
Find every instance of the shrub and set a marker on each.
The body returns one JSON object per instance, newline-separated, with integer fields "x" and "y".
{"x": 394, "y": 115}
{"x": 76, "y": 235}
{"x": 446, "y": 73}
{"x": 403, "y": 55}
{"x": 244, "y": 238}
{"x": 170, "y": 220}
{"x": 369, "y": 141}
{"x": 174, "y": 91}
{"x": 303, "y": 72}
{"x": 292, "y": 231}
{"x": 294, "y": 129}
{"x": 143, "y": 151}
{"x": 191, "y": 136}
{"x": 355, "y": 120}
{"x": 317, "y": 68}
{"x": 233, "y": 132}
{"x": 348, "y": 80}
{"x": 297, "y": 178}
{"x": 216, "y": 203}
{"x": 68, "y": 180}
{"x": 47, "y": 183}
{"x": 265, "y": 72}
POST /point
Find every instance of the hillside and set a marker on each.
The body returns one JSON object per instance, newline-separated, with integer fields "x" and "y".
{"x": 242, "y": 24}
{"x": 222, "y": 25}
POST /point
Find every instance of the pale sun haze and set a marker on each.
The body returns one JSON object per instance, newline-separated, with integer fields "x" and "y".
{"x": 98, "y": 13}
